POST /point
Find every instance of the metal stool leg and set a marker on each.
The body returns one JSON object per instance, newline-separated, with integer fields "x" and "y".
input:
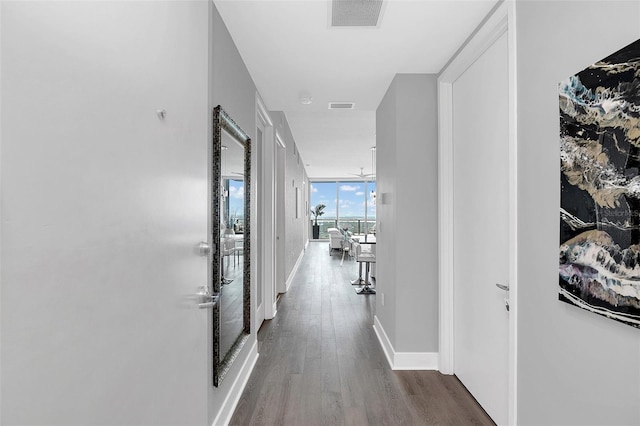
{"x": 366, "y": 289}
{"x": 359, "y": 280}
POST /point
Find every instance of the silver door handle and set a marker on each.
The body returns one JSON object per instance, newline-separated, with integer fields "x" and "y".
{"x": 211, "y": 304}
{"x": 208, "y": 299}
{"x": 506, "y": 300}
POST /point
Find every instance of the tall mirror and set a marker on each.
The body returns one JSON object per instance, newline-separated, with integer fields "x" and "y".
{"x": 230, "y": 234}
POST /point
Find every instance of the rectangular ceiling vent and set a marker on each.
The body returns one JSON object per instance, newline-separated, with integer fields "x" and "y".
{"x": 342, "y": 105}
{"x": 355, "y": 13}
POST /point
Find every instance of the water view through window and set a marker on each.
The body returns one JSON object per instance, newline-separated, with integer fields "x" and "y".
{"x": 346, "y": 204}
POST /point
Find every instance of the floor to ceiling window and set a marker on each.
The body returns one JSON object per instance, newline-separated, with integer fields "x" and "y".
{"x": 348, "y": 205}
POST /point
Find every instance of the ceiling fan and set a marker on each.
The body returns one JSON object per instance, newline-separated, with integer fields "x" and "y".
{"x": 362, "y": 174}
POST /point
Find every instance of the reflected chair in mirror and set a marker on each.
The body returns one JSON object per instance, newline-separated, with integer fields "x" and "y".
{"x": 228, "y": 249}
{"x": 238, "y": 251}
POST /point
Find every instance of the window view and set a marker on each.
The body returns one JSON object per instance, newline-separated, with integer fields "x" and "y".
{"x": 349, "y": 205}
{"x": 235, "y": 214}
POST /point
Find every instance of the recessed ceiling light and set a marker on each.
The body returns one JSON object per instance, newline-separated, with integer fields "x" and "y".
{"x": 305, "y": 98}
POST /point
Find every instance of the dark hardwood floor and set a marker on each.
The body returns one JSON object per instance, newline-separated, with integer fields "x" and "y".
{"x": 321, "y": 363}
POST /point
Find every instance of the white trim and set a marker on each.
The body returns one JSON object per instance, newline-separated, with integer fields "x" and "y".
{"x": 263, "y": 113}
{"x": 233, "y": 397}
{"x": 416, "y": 361}
{"x": 492, "y": 28}
{"x": 293, "y": 271}
{"x": 501, "y": 20}
{"x": 279, "y": 140}
{"x": 387, "y": 347}
{"x": 445, "y": 228}
{"x": 404, "y": 360}
{"x": 2, "y": 203}
{"x": 267, "y": 220}
{"x": 513, "y": 213}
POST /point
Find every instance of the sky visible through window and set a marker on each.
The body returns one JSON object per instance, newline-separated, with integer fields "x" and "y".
{"x": 236, "y": 198}
{"x": 350, "y": 198}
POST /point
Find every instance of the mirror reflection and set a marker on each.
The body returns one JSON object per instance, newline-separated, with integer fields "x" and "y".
{"x": 231, "y": 242}
{"x": 230, "y": 229}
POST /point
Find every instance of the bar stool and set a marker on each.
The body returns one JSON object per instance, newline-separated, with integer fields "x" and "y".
{"x": 367, "y": 257}
{"x": 356, "y": 249}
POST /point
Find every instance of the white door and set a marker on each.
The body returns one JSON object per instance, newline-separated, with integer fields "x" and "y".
{"x": 104, "y": 202}
{"x": 481, "y": 228}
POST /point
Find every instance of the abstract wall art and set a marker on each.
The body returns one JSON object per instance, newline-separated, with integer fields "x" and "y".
{"x": 600, "y": 187}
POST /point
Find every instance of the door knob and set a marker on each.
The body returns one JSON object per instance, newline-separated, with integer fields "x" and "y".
{"x": 205, "y": 248}
{"x": 502, "y": 287}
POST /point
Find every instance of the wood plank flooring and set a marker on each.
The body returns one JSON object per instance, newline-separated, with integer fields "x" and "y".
{"x": 321, "y": 363}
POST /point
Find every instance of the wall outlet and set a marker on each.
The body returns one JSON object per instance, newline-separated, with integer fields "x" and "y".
{"x": 382, "y": 298}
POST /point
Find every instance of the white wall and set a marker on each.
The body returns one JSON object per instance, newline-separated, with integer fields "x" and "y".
{"x": 102, "y": 207}
{"x": 575, "y": 367}
{"x": 407, "y": 215}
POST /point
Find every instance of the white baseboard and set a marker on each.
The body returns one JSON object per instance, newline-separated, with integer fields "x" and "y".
{"x": 387, "y": 347}
{"x": 232, "y": 399}
{"x": 404, "y": 360}
{"x": 293, "y": 271}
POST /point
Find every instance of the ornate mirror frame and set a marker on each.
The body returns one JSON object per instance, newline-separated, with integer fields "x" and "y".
{"x": 222, "y": 361}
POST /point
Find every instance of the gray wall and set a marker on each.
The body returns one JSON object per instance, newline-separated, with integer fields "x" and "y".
{"x": 232, "y": 87}
{"x": 407, "y": 213}
{"x": 386, "y": 229}
{"x": 575, "y": 367}
{"x": 294, "y": 177}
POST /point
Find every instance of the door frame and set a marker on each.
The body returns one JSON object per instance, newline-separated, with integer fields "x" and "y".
{"x": 499, "y": 21}
{"x": 279, "y": 177}
{"x": 266, "y": 221}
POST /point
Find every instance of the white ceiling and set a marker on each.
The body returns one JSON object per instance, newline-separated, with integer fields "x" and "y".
{"x": 291, "y": 52}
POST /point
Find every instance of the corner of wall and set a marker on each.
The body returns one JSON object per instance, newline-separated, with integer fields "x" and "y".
{"x": 404, "y": 360}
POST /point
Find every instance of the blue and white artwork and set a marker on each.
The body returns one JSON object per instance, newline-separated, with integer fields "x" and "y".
{"x": 600, "y": 187}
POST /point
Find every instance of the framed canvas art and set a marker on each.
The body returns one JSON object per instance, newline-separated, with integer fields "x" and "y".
{"x": 600, "y": 187}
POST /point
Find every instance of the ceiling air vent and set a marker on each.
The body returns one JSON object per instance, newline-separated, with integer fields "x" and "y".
{"x": 355, "y": 13}
{"x": 342, "y": 105}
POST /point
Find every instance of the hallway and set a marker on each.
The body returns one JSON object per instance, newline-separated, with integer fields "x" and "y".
{"x": 320, "y": 362}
